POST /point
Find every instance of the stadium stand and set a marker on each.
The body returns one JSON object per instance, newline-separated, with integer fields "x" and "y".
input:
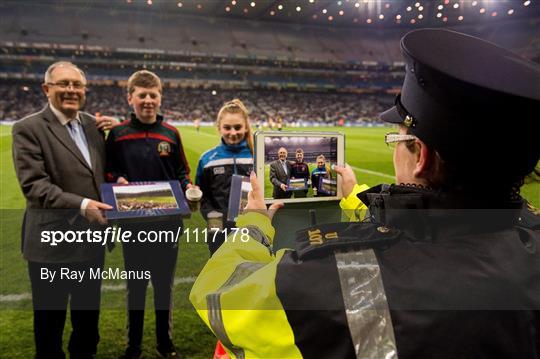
{"x": 291, "y": 66}
{"x": 19, "y": 98}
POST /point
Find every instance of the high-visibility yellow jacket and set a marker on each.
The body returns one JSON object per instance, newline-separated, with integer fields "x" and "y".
{"x": 458, "y": 283}
{"x": 236, "y": 296}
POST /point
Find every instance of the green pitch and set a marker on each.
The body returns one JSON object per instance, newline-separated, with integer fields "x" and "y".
{"x": 365, "y": 151}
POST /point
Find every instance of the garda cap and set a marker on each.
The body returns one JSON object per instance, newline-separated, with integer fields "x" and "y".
{"x": 474, "y": 102}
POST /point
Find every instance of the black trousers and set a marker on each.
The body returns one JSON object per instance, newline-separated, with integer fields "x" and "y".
{"x": 50, "y": 300}
{"x": 159, "y": 260}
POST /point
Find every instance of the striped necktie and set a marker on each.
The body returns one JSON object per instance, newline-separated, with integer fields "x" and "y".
{"x": 77, "y": 134}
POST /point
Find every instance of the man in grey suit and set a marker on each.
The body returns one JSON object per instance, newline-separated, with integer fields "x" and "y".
{"x": 59, "y": 158}
{"x": 280, "y": 172}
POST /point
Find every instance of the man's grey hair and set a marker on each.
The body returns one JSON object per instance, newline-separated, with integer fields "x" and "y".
{"x": 48, "y": 73}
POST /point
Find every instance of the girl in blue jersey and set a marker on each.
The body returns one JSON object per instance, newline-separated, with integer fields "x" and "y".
{"x": 234, "y": 155}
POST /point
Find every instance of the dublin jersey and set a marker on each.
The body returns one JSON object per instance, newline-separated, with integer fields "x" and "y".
{"x": 214, "y": 172}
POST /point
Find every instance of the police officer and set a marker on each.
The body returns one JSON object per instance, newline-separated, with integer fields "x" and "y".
{"x": 444, "y": 267}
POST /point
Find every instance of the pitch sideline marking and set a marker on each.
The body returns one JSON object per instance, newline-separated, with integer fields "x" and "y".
{"x": 106, "y": 287}
{"x": 380, "y": 174}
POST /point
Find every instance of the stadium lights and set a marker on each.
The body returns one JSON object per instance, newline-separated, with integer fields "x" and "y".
{"x": 474, "y": 3}
{"x": 510, "y": 12}
{"x": 445, "y": 19}
{"x": 357, "y": 4}
{"x": 298, "y": 9}
{"x": 199, "y": 6}
{"x": 409, "y": 8}
{"x": 324, "y": 11}
{"x": 460, "y": 18}
{"x": 179, "y": 4}
{"x": 341, "y": 12}
{"x": 311, "y": 1}
{"x": 420, "y": 8}
{"x": 369, "y": 21}
{"x": 246, "y": 10}
{"x": 417, "y": 4}
{"x": 527, "y": 3}
{"x": 456, "y": 5}
{"x": 252, "y": 4}
{"x": 272, "y": 13}
{"x": 413, "y": 21}
{"x": 340, "y": 3}
{"x": 439, "y": 14}
{"x": 440, "y": 7}
{"x": 482, "y": 10}
{"x": 233, "y": 2}
{"x": 381, "y": 17}
{"x": 280, "y": 7}
{"x": 228, "y": 9}
{"x": 387, "y": 6}
{"x": 314, "y": 16}
{"x": 398, "y": 17}
{"x": 494, "y": 13}
{"x": 149, "y": 2}
{"x": 330, "y": 18}
{"x": 214, "y": 92}
{"x": 420, "y": 16}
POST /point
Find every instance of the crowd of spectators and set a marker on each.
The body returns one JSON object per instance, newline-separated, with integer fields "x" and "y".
{"x": 185, "y": 105}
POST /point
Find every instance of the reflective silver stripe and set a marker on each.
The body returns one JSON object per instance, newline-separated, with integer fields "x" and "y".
{"x": 366, "y": 306}
{"x": 229, "y": 161}
{"x": 213, "y": 303}
{"x": 257, "y": 234}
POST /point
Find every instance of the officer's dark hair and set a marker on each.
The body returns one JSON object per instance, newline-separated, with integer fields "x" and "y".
{"x": 449, "y": 177}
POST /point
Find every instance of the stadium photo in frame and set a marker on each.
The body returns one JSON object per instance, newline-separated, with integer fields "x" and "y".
{"x": 298, "y": 166}
{"x": 145, "y": 201}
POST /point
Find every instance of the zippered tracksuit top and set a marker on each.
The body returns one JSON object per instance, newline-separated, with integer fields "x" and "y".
{"x": 142, "y": 152}
{"x": 214, "y": 173}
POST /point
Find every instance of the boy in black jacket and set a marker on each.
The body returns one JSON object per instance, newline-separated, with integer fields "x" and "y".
{"x": 145, "y": 148}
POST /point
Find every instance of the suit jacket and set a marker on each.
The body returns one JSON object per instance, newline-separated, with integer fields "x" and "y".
{"x": 55, "y": 178}
{"x": 278, "y": 177}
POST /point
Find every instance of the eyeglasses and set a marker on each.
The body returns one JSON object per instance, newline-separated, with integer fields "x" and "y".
{"x": 76, "y": 85}
{"x": 392, "y": 138}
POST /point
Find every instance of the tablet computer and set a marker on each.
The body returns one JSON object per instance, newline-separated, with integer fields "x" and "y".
{"x": 298, "y": 166}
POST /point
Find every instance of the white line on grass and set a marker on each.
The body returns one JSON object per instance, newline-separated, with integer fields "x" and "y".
{"x": 9, "y": 298}
{"x": 380, "y": 174}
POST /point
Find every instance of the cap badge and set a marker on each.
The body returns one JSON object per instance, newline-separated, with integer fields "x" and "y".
{"x": 409, "y": 121}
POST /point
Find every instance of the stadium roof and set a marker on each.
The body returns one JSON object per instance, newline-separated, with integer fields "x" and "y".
{"x": 365, "y": 13}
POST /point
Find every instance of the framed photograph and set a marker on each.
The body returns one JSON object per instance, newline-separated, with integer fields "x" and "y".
{"x": 145, "y": 201}
{"x": 291, "y": 166}
{"x": 327, "y": 186}
{"x": 297, "y": 184}
{"x": 238, "y": 197}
